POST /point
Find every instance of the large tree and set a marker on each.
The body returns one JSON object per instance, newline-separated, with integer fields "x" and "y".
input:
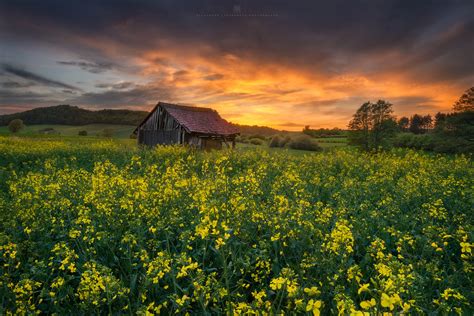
{"x": 373, "y": 124}
{"x": 361, "y": 125}
{"x": 465, "y": 102}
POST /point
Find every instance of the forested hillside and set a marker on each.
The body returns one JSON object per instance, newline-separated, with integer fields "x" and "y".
{"x": 73, "y": 115}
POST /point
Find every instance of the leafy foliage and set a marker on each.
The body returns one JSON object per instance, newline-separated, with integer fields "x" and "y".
{"x": 465, "y": 102}
{"x": 453, "y": 133}
{"x": 404, "y": 124}
{"x": 15, "y": 125}
{"x": 275, "y": 141}
{"x": 372, "y": 125}
{"x": 279, "y": 141}
{"x": 420, "y": 124}
{"x": 323, "y": 132}
{"x": 304, "y": 142}
{"x": 256, "y": 141}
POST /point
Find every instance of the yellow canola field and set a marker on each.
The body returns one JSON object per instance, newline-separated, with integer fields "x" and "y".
{"x": 103, "y": 227}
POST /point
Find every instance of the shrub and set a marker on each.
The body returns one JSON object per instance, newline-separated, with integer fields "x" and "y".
{"x": 256, "y": 141}
{"x": 304, "y": 143}
{"x": 82, "y": 133}
{"x": 16, "y": 125}
{"x": 258, "y": 136}
{"x": 275, "y": 142}
{"x": 285, "y": 141}
{"x": 242, "y": 139}
{"x": 453, "y": 145}
{"x": 279, "y": 141}
{"x": 412, "y": 141}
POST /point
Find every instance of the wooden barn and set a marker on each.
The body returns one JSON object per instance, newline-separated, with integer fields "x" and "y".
{"x": 177, "y": 124}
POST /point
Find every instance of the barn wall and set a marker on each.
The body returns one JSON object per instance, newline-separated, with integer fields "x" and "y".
{"x": 204, "y": 142}
{"x": 160, "y": 128}
{"x": 157, "y": 137}
{"x": 151, "y": 123}
{"x": 209, "y": 143}
{"x": 193, "y": 141}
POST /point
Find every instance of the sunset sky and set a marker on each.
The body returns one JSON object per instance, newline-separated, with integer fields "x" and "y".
{"x": 278, "y": 63}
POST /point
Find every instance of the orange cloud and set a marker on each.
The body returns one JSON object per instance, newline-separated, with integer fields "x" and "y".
{"x": 247, "y": 92}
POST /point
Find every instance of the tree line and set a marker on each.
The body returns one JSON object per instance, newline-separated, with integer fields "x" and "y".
{"x": 374, "y": 126}
{"x": 324, "y": 132}
{"x": 73, "y": 115}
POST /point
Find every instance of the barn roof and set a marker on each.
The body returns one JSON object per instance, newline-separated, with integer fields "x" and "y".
{"x": 197, "y": 119}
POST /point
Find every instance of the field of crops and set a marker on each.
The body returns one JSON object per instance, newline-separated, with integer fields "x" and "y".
{"x": 93, "y": 226}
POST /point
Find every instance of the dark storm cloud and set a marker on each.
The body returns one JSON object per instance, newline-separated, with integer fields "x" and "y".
{"x": 35, "y": 77}
{"x": 420, "y": 42}
{"x": 328, "y": 36}
{"x": 117, "y": 86}
{"x": 25, "y": 97}
{"x": 68, "y": 91}
{"x": 15, "y": 85}
{"x": 94, "y": 68}
{"x": 137, "y": 96}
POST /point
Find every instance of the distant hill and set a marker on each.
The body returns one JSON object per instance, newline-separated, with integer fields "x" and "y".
{"x": 76, "y": 116}
{"x": 73, "y": 115}
{"x": 257, "y": 130}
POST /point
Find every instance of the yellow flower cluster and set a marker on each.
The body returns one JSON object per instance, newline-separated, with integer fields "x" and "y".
{"x": 340, "y": 241}
{"x": 98, "y": 286}
{"x": 92, "y": 226}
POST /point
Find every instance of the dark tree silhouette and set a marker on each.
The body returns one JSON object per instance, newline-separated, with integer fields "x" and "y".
{"x": 426, "y": 123}
{"x": 404, "y": 123}
{"x": 440, "y": 118}
{"x": 361, "y": 125}
{"x": 465, "y": 102}
{"x": 416, "y": 124}
{"x": 372, "y": 124}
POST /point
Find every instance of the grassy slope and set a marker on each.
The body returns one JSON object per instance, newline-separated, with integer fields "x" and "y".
{"x": 120, "y": 131}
